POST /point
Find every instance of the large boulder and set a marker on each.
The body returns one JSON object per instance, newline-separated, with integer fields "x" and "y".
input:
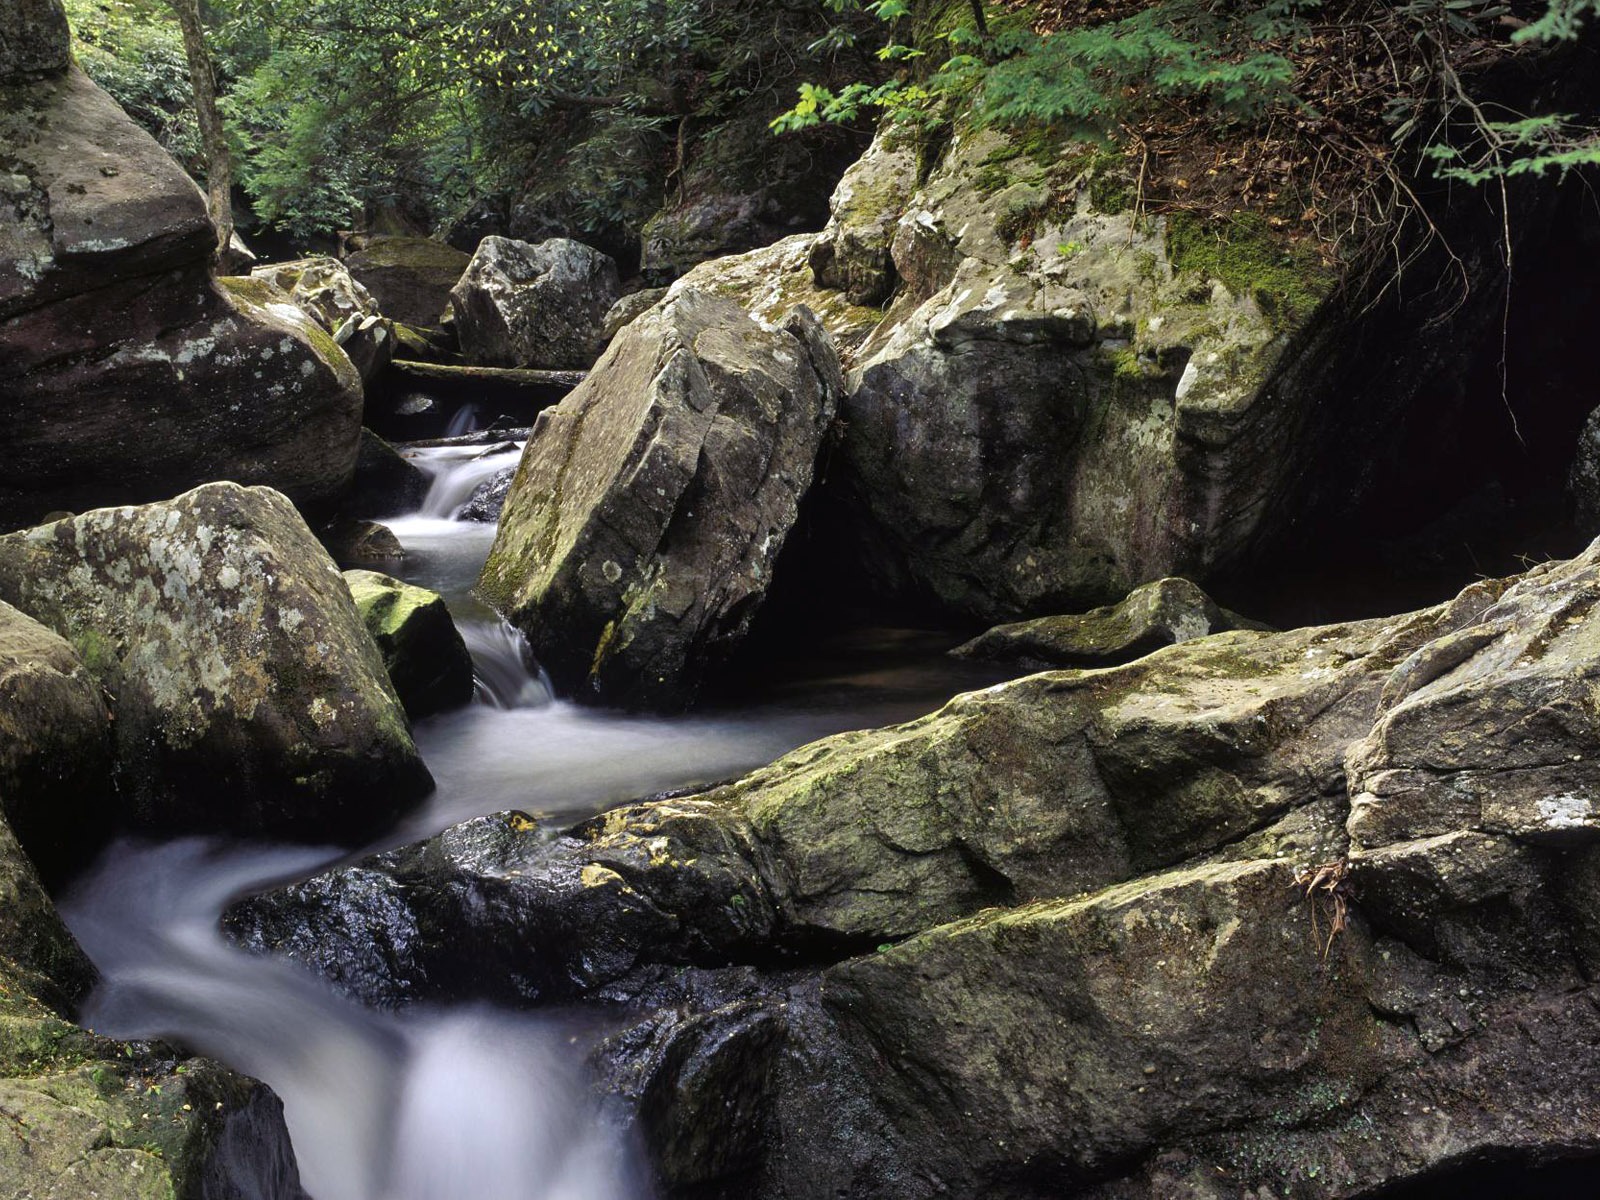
{"x": 248, "y": 694}
{"x": 1153, "y": 615}
{"x": 325, "y": 291}
{"x": 422, "y": 649}
{"x": 521, "y": 305}
{"x": 853, "y": 253}
{"x": 386, "y": 482}
{"x": 125, "y": 371}
{"x": 409, "y": 277}
{"x": 55, "y": 745}
{"x": 650, "y": 505}
{"x": 1195, "y": 925}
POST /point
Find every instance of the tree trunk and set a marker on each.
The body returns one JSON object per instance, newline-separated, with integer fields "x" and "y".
{"x": 983, "y": 22}
{"x": 202, "y": 77}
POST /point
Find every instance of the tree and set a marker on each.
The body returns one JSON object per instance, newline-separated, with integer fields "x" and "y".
{"x": 213, "y": 137}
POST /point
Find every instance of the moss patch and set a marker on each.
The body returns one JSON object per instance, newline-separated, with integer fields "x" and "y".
{"x": 1287, "y": 281}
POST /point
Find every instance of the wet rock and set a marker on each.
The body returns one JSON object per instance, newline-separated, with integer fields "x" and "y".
{"x": 125, "y": 371}
{"x": 521, "y": 305}
{"x": 55, "y": 745}
{"x": 422, "y": 650}
{"x": 409, "y": 277}
{"x": 386, "y": 482}
{"x": 248, "y": 695}
{"x": 363, "y": 544}
{"x": 34, "y": 38}
{"x": 488, "y": 499}
{"x": 327, "y": 293}
{"x": 640, "y": 532}
{"x": 1154, "y": 615}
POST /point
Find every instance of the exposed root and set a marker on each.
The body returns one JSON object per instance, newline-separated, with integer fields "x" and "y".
{"x": 1326, "y": 890}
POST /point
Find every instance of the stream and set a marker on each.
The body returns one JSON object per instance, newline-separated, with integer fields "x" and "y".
{"x": 468, "y": 1101}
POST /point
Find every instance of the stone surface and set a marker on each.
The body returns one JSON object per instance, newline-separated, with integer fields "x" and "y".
{"x": 325, "y": 291}
{"x": 386, "y": 483}
{"x": 629, "y": 309}
{"x": 1583, "y": 481}
{"x": 248, "y": 695}
{"x": 521, "y": 305}
{"x": 363, "y": 544}
{"x": 852, "y": 255}
{"x": 1304, "y": 913}
{"x": 422, "y": 650}
{"x": 33, "y": 38}
{"x": 650, "y": 505}
{"x": 409, "y": 277}
{"x": 55, "y": 745}
{"x": 125, "y": 372}
{"x": 1152, "y": 616}
{"x": 488, "y": 499}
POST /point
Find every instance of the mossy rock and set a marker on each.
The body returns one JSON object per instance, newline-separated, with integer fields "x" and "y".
{"x": 422, "y": 650}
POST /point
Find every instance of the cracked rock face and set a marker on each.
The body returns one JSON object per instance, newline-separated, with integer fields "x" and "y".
{"x": 1057, "y": 939}
{"x": 640, "y": 533}
{"x": 249, "y": 696}
{"x": 524, "y": 305}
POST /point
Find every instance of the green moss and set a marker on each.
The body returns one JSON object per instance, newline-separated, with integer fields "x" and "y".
{"x": 258, "y": 292}
{"x": 98, "y": 652}
{"x": 1286, "y": 281}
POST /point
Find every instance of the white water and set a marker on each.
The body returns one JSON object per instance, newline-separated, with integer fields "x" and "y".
{"x": 463, "y": 1104}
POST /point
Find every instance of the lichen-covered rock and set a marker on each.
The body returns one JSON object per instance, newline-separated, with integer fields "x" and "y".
{"x": 852, "y": 255}
{"x": 55, "y": 745}
{"x": 325, "y": 291}
{"x": 521, "y": 305}
{"x": 1153, "y": 615}
{"x": 768, "y": 282}
{"x": 650, "y": 505}
{"x": 248, "y": 694}
{"x": 629, "y": 309}
{"x": 409, "y": 277}
{"x": 33, "y": 38}
{"x": 125, "y": 371}
{"x": 422, "y": 649}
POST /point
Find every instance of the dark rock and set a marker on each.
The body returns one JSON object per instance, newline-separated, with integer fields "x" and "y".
{"x": 641, "y": 530}
{"x": 488, "y": 499}
{"x": 1157, "y": 614}
{"x": 248, "y": 694}
{"x": 386, "y": 483}
{"x": 55, "y": 746}
{"x": 34, "y": 38}
{"x": 521, "y": 305}
{"x": 422, "y": 650}
{"x": 409, "y": 277}
{"x": 487, "y": 217}
{"x": 363, "y": 544}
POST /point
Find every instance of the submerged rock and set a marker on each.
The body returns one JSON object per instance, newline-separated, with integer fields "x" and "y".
{"x": 422, "y": 650}
{"x": 126, "y": 372}
{"x": 409, "y": 277}
{"x": 1153, "y": 615}
{"x": 641, "y": 530}
{"x": 521, "y": 305}
{"x": 1198, "y": 924}
{"x": 248, "y": 695}
{"x": 55, "y": 745}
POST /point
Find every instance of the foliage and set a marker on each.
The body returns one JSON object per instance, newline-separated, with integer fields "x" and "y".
{"x": 134, "y": 50}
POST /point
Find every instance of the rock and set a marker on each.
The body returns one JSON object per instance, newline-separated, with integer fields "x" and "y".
{"x": 640, "y": 532}
{"x": 55, "y": 746}
{"x": 422, "y": 650}
{"x": 327, "y": 293}
{"x": 488, "y": 499}
{"x": 770, "y": 281}
{"x": 125, "y": 370}
{"x": 520, "y": 305}
{"x": 248, "y": 695}
{"x": 363, "y": 543}
{"x": 1154, "y": 615}
{"x": 92, "y": 1117}
{"x": 34, "y": 38}
{"x": 1583, "y": 482}
{"x": 852, "y": 255}
{"x": 489, "y": 216}
{"x": 386, "y": 482}
{"x": 409, "y": 277}
{"x": 629, "y": 309}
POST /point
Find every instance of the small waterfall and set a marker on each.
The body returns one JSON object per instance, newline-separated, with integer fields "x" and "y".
{"x": 467, "y": 419}
{"x": 502, "y": 667}
{"x": 457, "y": 474}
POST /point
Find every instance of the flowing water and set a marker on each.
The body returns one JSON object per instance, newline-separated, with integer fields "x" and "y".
{"x": 464, "y": 1103}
